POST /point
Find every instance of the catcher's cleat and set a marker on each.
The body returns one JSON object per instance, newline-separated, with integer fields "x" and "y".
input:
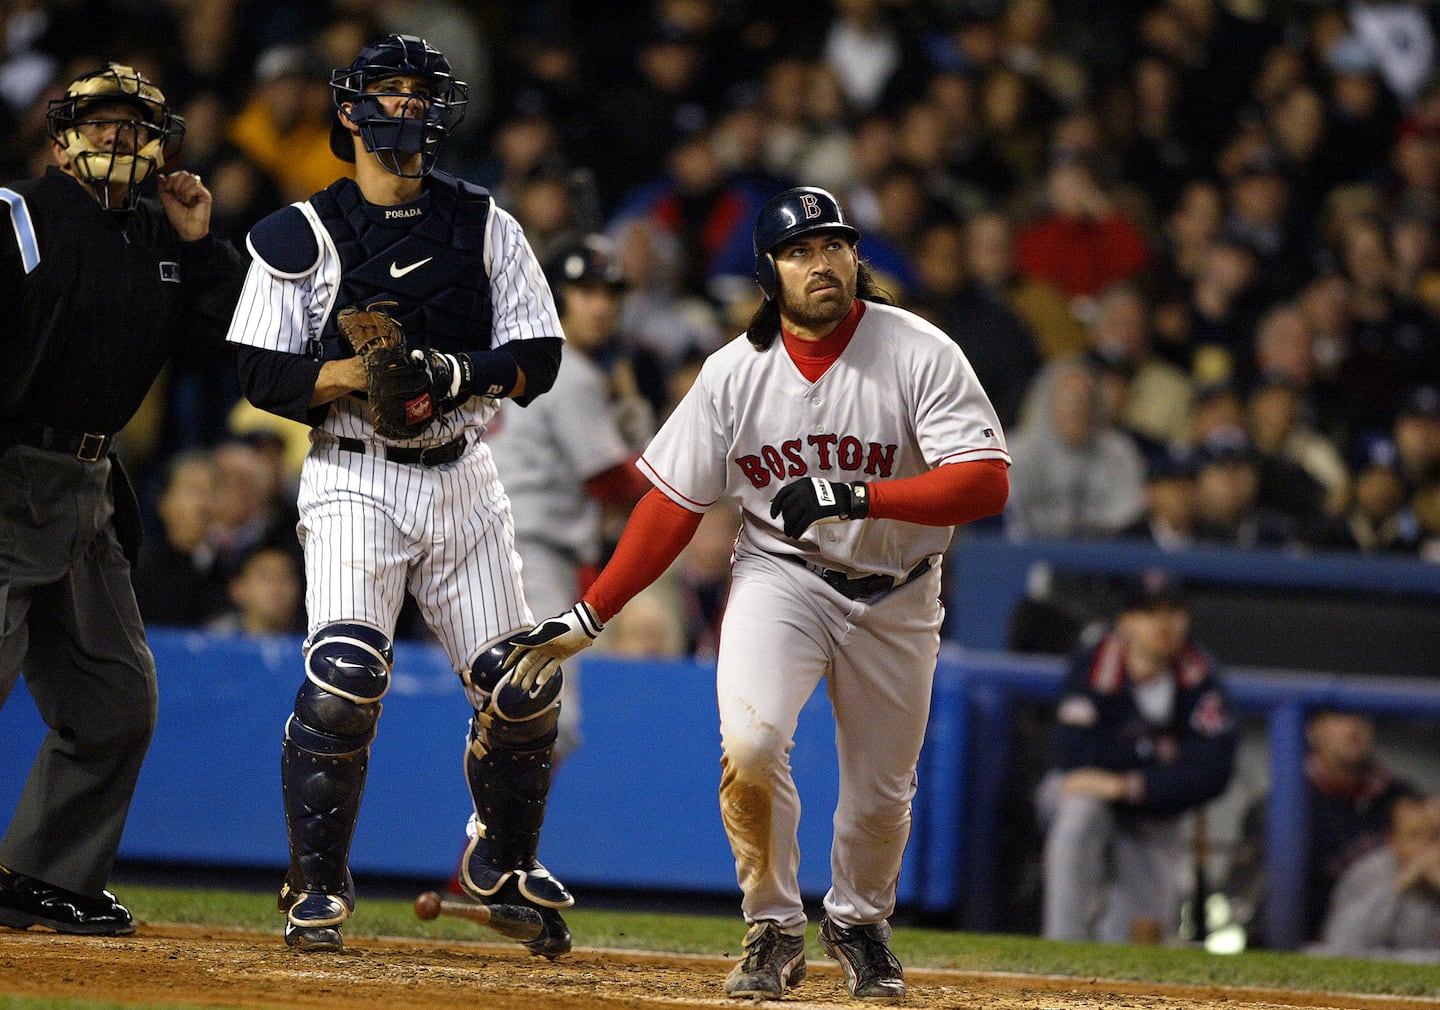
{"x": 482, "y": 880}
{"x": 871, "y": 970}
{"x": 313, "y": 919}
{"x": 533, "y": 888}
{"x": 773, "y": 962}
{"x": 314, "y": 939}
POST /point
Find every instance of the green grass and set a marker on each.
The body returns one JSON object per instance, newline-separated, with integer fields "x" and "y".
{"x": 920, "y": 948}
{"x": 720, "y": 936}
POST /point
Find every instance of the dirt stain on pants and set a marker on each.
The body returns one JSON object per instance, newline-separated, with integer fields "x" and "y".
{"x": 745, "y": 807}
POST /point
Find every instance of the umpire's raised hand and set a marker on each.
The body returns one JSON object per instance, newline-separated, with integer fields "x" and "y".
{"x": 535, "y": 655}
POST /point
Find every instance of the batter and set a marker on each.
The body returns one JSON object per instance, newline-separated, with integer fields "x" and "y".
{"x": 854, "y": 436}
{"x": 428, "y": 514}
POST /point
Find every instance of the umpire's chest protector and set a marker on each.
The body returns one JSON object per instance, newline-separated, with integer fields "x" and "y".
{"x": 427, "y": 256}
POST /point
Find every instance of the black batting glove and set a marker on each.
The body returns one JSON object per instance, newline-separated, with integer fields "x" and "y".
{"x": 812, "y": 500}
{"x": 452, "y": 377}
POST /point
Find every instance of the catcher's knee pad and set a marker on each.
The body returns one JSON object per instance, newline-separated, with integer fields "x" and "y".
{"x": 327, "y": 752}
{"x": 347, "y": 672}
{"x": 507, "y": 717}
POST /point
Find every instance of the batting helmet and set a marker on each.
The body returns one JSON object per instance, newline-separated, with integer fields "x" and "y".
{"x": 361, "y": 85}
{"x": 788, "y": 215}
{"x": 592, "y": 259}
{"x": 155, "y": 133}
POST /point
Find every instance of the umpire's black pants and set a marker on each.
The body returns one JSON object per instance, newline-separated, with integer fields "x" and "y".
{"x": 69, "y": 621}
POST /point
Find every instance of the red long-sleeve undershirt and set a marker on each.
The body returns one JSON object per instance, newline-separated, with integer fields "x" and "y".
{"x": 659, "y": 529}
{"x": 623, "y": 484}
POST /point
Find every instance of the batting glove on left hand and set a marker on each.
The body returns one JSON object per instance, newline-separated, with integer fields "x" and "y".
{"x": 537, "y": 654}
{"x": 816, "y": 500}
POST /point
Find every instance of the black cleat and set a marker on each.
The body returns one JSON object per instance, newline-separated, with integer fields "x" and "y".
{"x": 26, "y": 902}
{"x": 533, "y": 887}
{"x": 314, "y": 939}
{"x": 313, "y": 920}
{"x": 773, "y": 962}
{"x": 871, "y": 970}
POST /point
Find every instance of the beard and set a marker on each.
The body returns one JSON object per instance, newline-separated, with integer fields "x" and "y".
{"x": 814, "y": 309}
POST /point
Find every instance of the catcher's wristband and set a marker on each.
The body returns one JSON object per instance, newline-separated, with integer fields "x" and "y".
{"x": 496, "y": 374}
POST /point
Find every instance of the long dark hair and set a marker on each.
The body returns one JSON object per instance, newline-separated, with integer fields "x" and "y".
{"x": 765, "y": 324}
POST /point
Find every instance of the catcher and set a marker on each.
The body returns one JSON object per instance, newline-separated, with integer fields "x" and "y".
{"x": 392, "y": 312}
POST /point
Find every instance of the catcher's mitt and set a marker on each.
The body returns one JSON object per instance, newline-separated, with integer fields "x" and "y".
{"x": 401, "y": 404}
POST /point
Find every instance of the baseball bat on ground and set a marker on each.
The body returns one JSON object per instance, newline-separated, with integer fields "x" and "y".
{"x": 515, "y": 921}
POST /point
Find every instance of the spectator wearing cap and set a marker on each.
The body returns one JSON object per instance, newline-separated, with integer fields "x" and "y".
{"x": 1377, "y": 518}
{"x": 1143, "y": 735}
{"x": 1416, "y": 434}
{"x": 1170, "y": 502}
{"x": 1228, "y": 506}
{"x": 285, "y": 126}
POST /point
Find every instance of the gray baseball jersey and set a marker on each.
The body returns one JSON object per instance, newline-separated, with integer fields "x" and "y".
{"x": 899, "y": 400}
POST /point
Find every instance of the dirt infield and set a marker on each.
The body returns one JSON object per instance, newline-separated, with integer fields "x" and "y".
{"x": 184, "y": 965}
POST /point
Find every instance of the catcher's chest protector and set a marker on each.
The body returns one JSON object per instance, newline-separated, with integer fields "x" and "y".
{"x": 427, "y": 256}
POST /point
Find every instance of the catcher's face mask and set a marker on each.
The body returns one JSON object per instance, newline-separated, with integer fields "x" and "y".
{"x": 404, "y": 99}
{"x": 116, "y": 131}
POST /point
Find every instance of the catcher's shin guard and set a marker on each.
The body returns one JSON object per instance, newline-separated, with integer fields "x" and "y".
{"x": 508, "y": 766}
{"x": 323, "y": 765}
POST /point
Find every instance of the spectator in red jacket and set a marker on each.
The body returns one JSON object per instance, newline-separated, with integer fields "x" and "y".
{"x": 1084, "y": 242}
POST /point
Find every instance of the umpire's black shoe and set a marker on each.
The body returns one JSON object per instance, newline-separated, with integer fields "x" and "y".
{"x": 26, "y": 902}
{"x": 773, "y": 962}
{"x": 871, "y": 971}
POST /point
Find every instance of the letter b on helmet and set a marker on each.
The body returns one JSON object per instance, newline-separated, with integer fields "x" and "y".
{"x": 789, "y": 215}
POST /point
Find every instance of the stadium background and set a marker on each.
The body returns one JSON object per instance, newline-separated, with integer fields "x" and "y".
{"x": 1355, "y": 627}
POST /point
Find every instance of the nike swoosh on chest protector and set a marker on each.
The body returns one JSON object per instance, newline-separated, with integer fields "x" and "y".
{"x": 396, "y": 270}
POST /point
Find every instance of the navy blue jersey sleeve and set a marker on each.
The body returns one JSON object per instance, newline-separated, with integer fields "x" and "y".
{"x": 539, "y": 359}
{"x": 278, "y": 382}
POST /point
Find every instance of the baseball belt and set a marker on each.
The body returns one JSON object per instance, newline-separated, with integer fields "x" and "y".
{"x": 429, "y": 455}
{"x": 865, "y": 585}
{"x": 87, "y": 446}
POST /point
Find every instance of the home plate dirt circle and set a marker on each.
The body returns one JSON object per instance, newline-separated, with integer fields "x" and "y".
{"x": 189, "y": 965}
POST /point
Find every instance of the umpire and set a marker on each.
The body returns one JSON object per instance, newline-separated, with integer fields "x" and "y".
{"x": 108, "y": 285}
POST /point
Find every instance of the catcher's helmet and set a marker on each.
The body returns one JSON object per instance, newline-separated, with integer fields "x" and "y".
{"x": 154, "y": 134}
{"x": 787, "y": 215}
{"x": 592, "y": 259}
{"x": 393, "y": 139}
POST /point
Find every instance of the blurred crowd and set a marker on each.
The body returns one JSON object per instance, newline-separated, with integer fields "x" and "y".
{"x": 1189, "y": 246}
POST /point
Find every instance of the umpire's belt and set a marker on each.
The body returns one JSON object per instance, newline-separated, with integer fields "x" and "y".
{"x": 865, "y": 585}
{"x": 88, "y": 446}
{"x": 430, "y": 455}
